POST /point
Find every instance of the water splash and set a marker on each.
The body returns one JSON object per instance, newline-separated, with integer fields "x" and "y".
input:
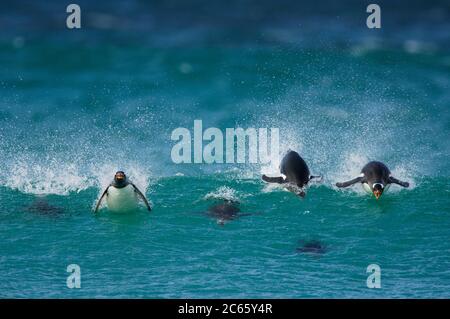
{"x": 223, "y": 193}
{"x": 60, "y": 178}
{"x": 42, "y": 180}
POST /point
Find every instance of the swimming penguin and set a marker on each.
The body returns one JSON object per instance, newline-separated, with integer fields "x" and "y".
{"x": 312, "y": 247}
{"x": 122, "y": 194}
{"x": 296, "y": 172}
{"x": 42, "y": 207}
{"x": 375, "y": 178}
{"x": 225, "y": 211}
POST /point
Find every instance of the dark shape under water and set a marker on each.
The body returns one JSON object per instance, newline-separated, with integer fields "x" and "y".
{"x": 224, "y": 211}
{"x": 41, "y": 206}
{"x": 312, "y": 247}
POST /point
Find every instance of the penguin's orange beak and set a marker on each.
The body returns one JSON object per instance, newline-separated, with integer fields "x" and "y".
{"x": 377, "y": 194}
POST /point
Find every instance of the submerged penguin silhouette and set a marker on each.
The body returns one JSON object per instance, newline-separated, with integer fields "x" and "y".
{"x": 296, "y": 171}
{"x": 122, "y": 195}
{"x": 41, "y": 206}
{"x": 225, "y": 211}
{"x": 312, "y": 247}
{"x": 375, "y": 178}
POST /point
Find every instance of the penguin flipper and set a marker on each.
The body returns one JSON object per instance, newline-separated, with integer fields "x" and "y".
{"x": 142, "y": 197}
{"x": 393, "y": 180}
{"x": 279, "y": 180}
{"x": 105, "y": 192}
{"x": 350, "y": 182}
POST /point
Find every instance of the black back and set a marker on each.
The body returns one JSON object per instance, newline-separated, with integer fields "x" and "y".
{"x": 314, "y": 246}
{"x": 225, "y": 210}
{"x": 376, "y": 172}
{"x": 41, "y": 206}
{"x": 295, "y": 169}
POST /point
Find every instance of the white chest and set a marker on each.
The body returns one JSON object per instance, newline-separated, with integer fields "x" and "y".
{"x": 122, "y": 199}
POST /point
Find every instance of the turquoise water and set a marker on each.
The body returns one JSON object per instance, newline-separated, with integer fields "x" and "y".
{"x": 76, "y": 107}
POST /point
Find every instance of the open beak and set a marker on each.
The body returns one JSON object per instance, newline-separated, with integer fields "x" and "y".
{"x": 377, "y": 194}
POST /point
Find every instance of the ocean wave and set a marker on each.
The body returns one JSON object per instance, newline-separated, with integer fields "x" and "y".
{"x": 67, "y": 178}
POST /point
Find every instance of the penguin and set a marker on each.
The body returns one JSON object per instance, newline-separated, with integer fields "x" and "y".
{"x": 122, "y": 194}
{"x": 296, "y": 171}
{"x": 224, "y": 211}
{"x": 42, "y": 207}
{"x": 312, "y": 247}
{"x": 375, "y": 178}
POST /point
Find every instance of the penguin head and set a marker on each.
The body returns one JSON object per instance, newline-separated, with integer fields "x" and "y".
{"x": 377, "y": 189}
{"x": 120, "y": 178}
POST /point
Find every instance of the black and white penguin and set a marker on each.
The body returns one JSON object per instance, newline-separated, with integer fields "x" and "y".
{"x": 375, "y": 178}
{"x": 296, "y": 172}
{"x": 122, "y": 195}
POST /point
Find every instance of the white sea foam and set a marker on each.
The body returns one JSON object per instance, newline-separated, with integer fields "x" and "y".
{"x": 65, "y": 178}
{"x": 223, "y": 192}
{"x": 273, "y": 187}
{"x": 51, "y": 179}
